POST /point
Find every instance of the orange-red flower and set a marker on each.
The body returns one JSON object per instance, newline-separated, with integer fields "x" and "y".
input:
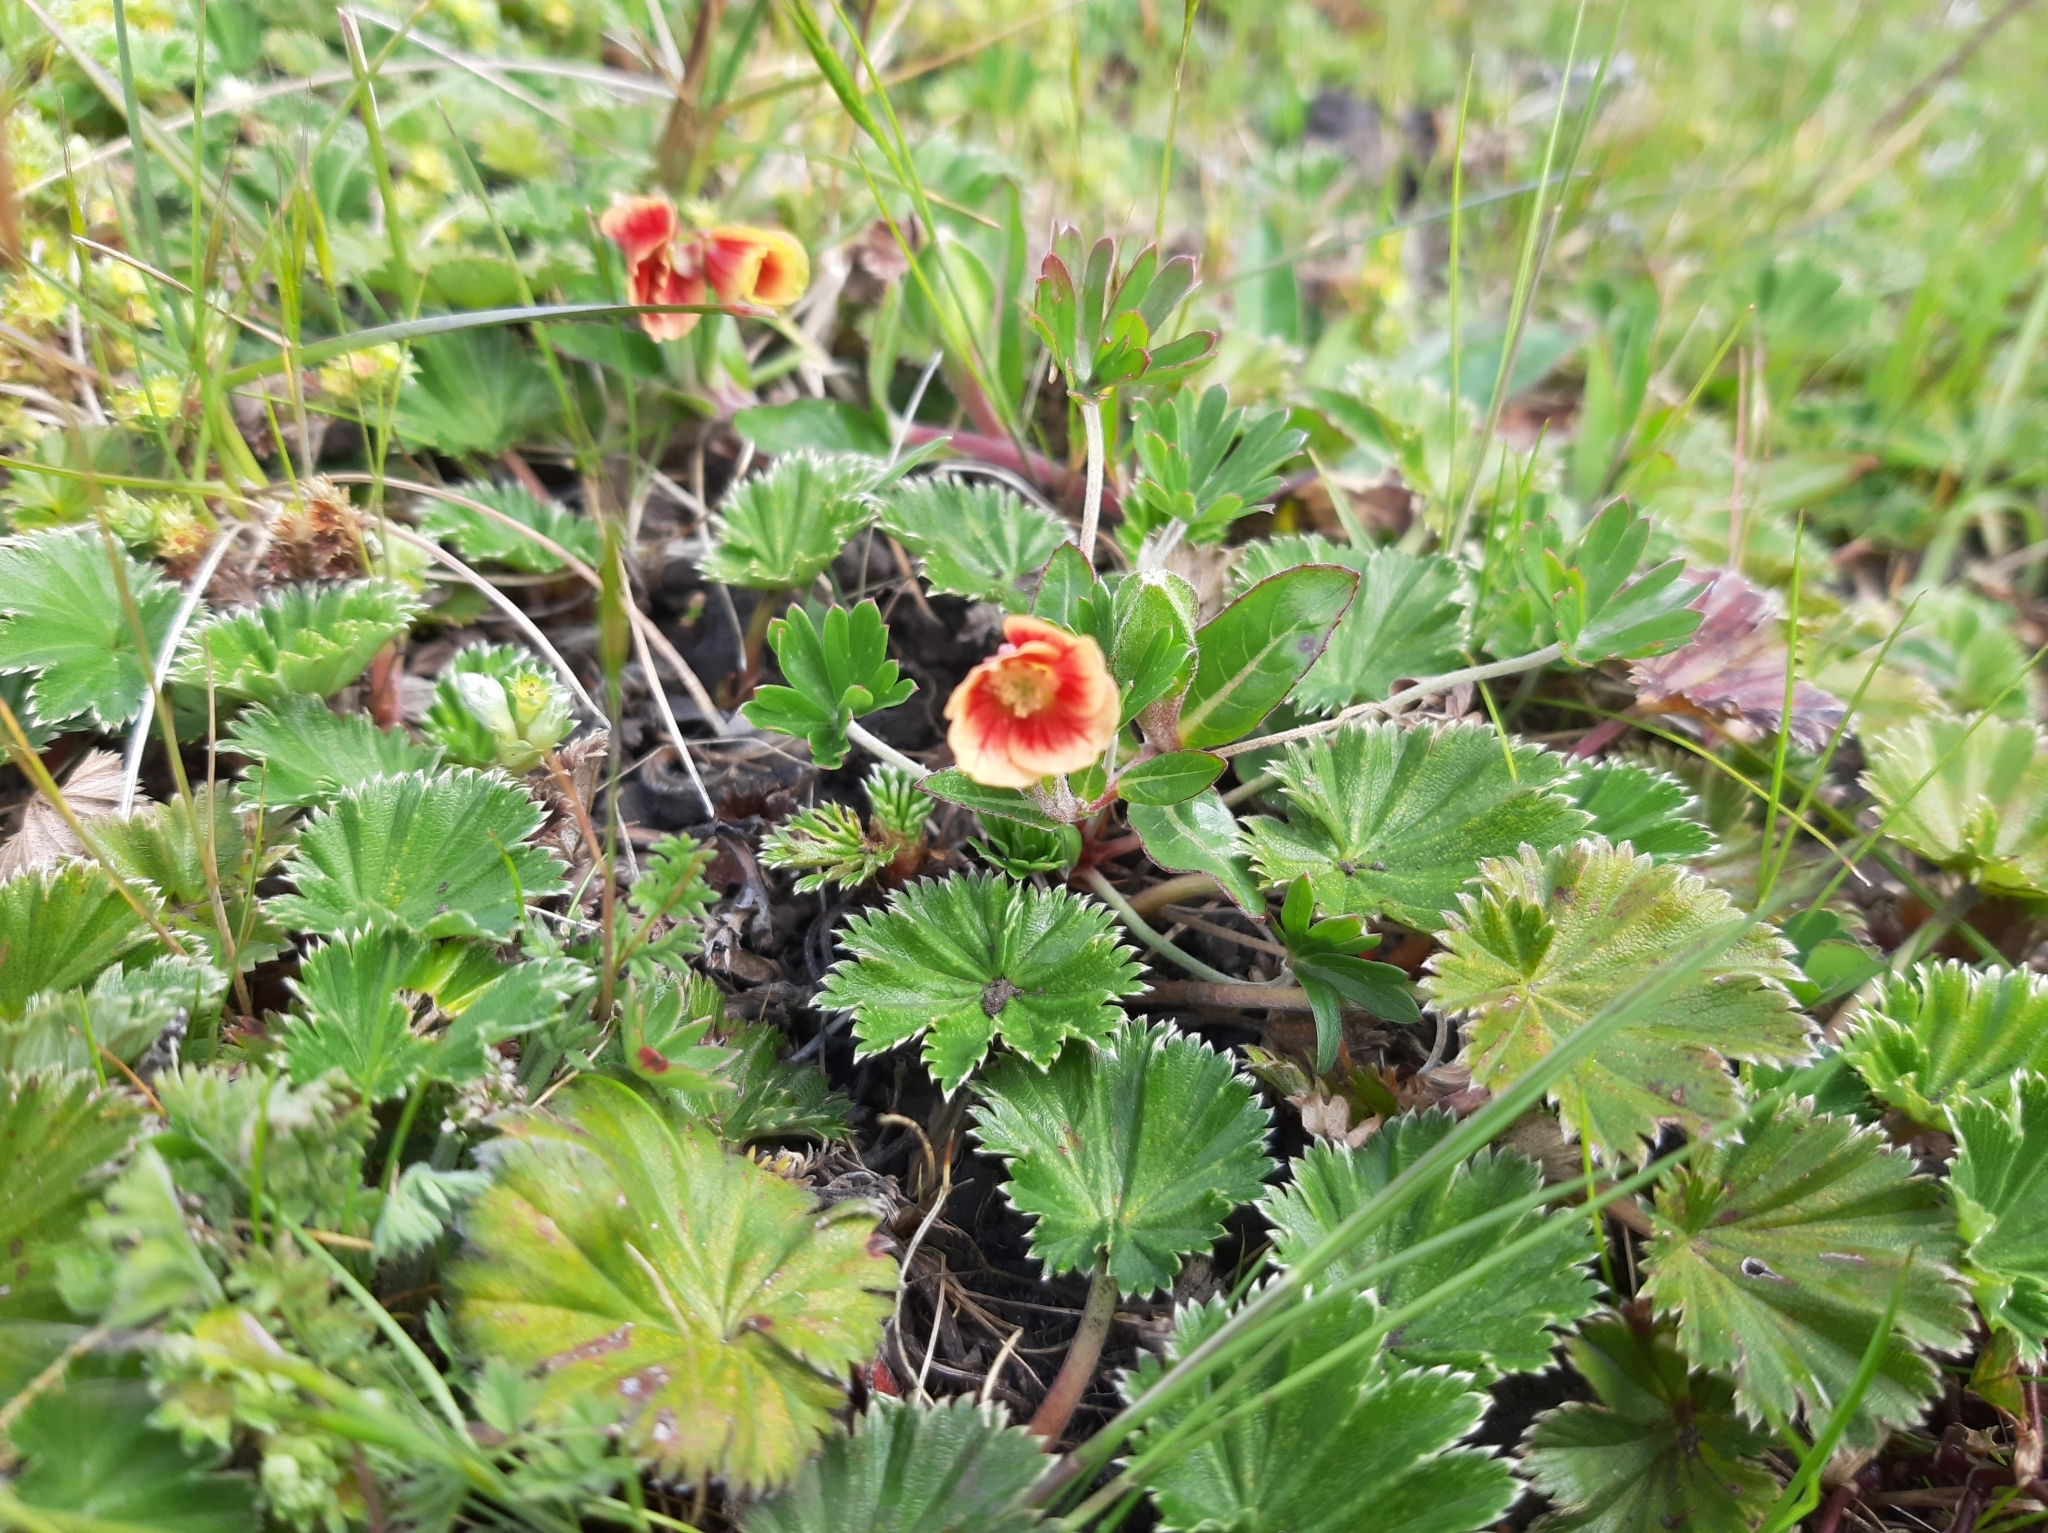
{"x": 764, "y": 266}
{"x": 659, "y": 268}
{"x": 666, "y": 265}
{"x": 1043, "y": 703}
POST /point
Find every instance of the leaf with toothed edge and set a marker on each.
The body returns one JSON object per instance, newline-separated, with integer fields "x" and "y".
{"x": 299, "y": 641}
{"x": 964, "y": 960}
{"x": 700, "y": 1294}
{"x": 63, "y": 625}
{"x": 2000, "y": 1185}
{"x": 1943, "y": 1032}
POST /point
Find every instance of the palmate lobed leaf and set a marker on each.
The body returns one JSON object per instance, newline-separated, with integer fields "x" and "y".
{"x": 1205, "y": 464}
{"x": 838, "y": 670}
{"x": 1393, "y": 821}
{"x": 1941, "y": 1032}
{"x": 967, "y": 959}
{"x": 302, "y": 640}
{"x": 1779, "y": 1253}
{"x": 439, "y": 856}
{"x": 1660, "y": 1447}
{"x": 1970, "y": 796}
{"x": 912, "y": 1469}
{"x": 1407, "y": 620}
{"x": 2000, "y": 1185}
{"x": 302, "y": 754}
{"x": 979, "y": 541}
{"x": 1642, "y": 806}
{"x": 1130, "y": 1153}
{"x": 480, "y": 540}
{"x": 1500, "y": 1327}
{"x": 1366, "y": 1439}
{"x": 124, "y": 1012}
{"x": 57, "y": 1134}
{"x": 1551, "y": 939}
{"x": 778, "y": 530}
{"x": 696, "y": 1293}
{"x": 63, "y": 624}
{"x": 59, "y": 927}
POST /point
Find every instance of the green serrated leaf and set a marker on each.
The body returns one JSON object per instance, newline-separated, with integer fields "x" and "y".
{"x": 2000, "y": 1185}
{"x": 778, "y": 530}
{"x": 1661, "y": 1447}
{"x": 912, "y": 1469}
{"x": 974, "y": 540}
{"x": 309, "y": 1139}
{"x": 1551, "y": 939}
{"x": 1396, "y": 821}
{"x": 1604, "y": 614}
{"x": 1501, "y": 1327}
{"x": 1252, "y": 653}
{"x": 1969, "y": 796}
{"x": 1407, "y": 621}
{"x": 63, "y": 625}
{"x": 1204, "y": 464}
{"x": 1200, "y": 835}
{"x": 352, "y": 1018}
{"x": 837, "y": 672}
{"x": 57, "y": 1135}
{"x": 696, "y": 1292}
{"x": 1943, "y": 1031}
{"x": 1129, "y": 1154}
{"x": 1779, "y": 1252}
{"x": 92, "y": 1463}
{"x": 302, "y": 640}
{"x": 1365, "y": 1433}
{"x": 480, "y": 540}
{"x": 817, "y": 425}
{"x": 59, "y": 927}
{"x": 1642, "y": 806}
{"x": 964, "y": 960}
{"x": 439, "y": 856}
{"x": 302, "y": 754}
{"x": 421, "y": 1207}
{"x": 123, "y": 1013}
{"x": 1174, "y": 778}
{"x": 181, "y": 849}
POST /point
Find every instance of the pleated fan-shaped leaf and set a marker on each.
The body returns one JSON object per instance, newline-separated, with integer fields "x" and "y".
{"x": 299, "y": 641}
{"x": 1132, "y": 1153}
{"x": 439, "y": 856}
{"x": 1779, "y": 1252}
{"x": 302, "y": 754}
{"x": 59, "y": 927}
{"x": 697, "y": 1293}
{"x": 1553, "y": 938}
{"x": 1500, "y": 1326}
{"x": 778, "y": 530}
{"x": 57, "y": 1134}
{"x": 1969, "y": 795}
{"x": 1660, "y": 1447}
{"x": 1941, "y": 1031}
{"x": 64, "y": 626}
{"x": 1393, "y": 821}
{"x": 912, "y": 1469}
{"x": 979, "y": 541}
{"x": 1646, "y": 808}
{"x": 1365, "y": 1444}
{"x": 2000, "y": 1184}
{"x": 964, "y": 960}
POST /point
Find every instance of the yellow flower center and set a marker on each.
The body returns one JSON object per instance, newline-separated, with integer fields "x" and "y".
{"x": 1024, "y": 686}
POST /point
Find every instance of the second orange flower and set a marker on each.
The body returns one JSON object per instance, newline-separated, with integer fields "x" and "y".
{"x": 667, "y": 264}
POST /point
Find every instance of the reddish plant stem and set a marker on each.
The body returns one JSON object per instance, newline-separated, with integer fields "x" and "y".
{"x": 1083, "y": 1352}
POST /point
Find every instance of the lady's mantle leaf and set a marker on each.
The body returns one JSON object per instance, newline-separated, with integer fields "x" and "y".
{"x": 1942, "y": 1031}
{"x": 441, "y": 856}
{"x": 305, "y": 641}
{"x": 974, "y": 540}
{"x": 1969, "y": 796}
{"x": 58, "y": 928}
{"x": 355, "y": 1020}
{"x": 1406, "y": 621}
{"x": 62, "y": 622}
{"x": 2000, "y": 1185}
{"x": 780, "y": 529}
{"x": 909, "y": 1469}
{"x": 302, "y": 754}
{"x": 1365, "y": 1444}
{"x": 56, "y": 1133}
{"x": 482, "y": 540}
{"x": 1779, "y": 1251}
{"x": 1395, "y": 821}
{"x": 1646, "y": 808}
{"x": 1551, "y": 939}
{"x": 1499, "y": 1327}
{"x": 1134, "y": 1151}
{"x": 964, "y": 959}
{"x": 700, "y": 1295}
{"x": 1661, "y": 1448}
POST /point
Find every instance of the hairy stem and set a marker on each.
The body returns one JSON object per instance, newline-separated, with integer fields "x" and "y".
{"x": 1091, "y": 507}
{"x": 1142, "y": 930}
{"x": 1083, "y": 1352}
{"x": 882, "y": 750}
